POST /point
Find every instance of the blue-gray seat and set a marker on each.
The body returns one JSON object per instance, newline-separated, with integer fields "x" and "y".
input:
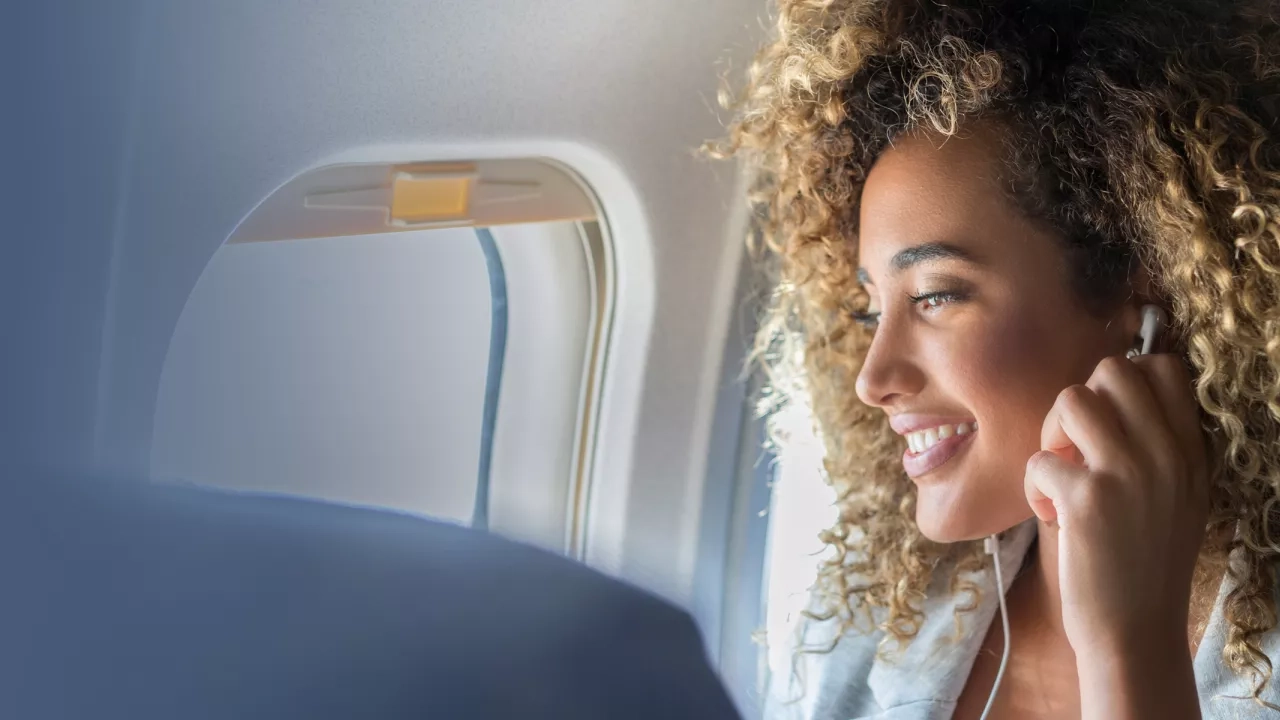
{"x": 126, "y": 601}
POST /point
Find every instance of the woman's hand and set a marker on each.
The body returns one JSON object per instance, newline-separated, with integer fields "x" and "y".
{"x": 1122, "y": 476}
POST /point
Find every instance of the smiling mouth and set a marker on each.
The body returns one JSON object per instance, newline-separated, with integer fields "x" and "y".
{"x": 931, "y": 448}
{"x": 921, "y": 440}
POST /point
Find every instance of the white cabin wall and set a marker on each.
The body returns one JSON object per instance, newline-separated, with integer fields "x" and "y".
{"x": 235, "y": 97}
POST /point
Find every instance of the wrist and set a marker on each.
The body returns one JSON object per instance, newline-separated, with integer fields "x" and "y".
{"x": 1138, "y": 678}
{"x": 1155, "y": 641}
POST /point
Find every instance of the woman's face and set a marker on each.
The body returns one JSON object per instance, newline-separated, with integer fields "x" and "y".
{"x": 978, "y": 330}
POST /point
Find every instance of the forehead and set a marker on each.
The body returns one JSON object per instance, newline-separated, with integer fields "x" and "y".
{"x": 927, "y": 189}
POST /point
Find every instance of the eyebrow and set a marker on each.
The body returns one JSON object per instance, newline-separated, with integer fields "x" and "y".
{"x": 916, "y": 254}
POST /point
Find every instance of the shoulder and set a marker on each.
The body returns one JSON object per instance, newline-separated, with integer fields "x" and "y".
{"x": 1223, "y": 692}
{"x": 834, "y": 671}
{"x": 820, "y": 672}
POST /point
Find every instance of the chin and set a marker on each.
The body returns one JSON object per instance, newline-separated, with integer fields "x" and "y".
{"x": 943, "y": 529}
{"x": 951, "y": 517}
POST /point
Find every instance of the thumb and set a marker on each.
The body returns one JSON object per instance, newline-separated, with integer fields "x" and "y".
{"x": 1048, "y": 482}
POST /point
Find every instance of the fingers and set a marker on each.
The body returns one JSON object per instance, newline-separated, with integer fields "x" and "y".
{"x": 1082, "y": 419}
{"x": 1050, "y": 483}
{"x": 1142, "y": 417}
{"x": 1131, "y": 415}
{"x": 1172, "y": 389}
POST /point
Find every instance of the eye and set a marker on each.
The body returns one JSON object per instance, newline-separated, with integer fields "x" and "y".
{"x": 935, "y": 300}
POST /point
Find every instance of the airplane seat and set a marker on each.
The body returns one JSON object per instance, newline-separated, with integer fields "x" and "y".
{"x": 143, "y": 602}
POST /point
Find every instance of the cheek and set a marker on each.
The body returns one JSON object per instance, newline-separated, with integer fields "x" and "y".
{"x": 994, "y": 360}
{"x": 1007, "y": 371}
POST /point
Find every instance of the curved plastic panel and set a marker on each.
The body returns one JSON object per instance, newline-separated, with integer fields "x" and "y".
{"x": 373, "y": 198}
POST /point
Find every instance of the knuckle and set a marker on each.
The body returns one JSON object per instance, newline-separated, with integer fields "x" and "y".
{"x": 1114, "y": 365}
{"x": 1073, "y": 397}
{"x": 1036, "y": 463}
{"x": 1113, "y": 369}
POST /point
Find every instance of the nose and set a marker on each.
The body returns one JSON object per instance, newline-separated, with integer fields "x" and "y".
{"x": 888, "y": 372}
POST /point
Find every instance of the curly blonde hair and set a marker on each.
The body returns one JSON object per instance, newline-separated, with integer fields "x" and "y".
{"x": 1141, "y": 131}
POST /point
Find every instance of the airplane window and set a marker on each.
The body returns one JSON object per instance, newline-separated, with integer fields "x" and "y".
{"x": 369, "y": 370}
{"x": 801, "y": 505}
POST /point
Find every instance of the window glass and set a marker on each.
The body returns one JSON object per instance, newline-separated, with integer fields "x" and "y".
{"x": 351, "y": 369}
{"x": 440, "y": 372}
{"x": 801, "y": 506}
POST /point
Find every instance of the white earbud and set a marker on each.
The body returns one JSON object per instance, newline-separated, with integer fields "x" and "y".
{"x": 1154, "y": 320}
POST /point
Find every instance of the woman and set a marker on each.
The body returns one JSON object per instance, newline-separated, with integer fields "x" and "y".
{"x": 967, "y": 205}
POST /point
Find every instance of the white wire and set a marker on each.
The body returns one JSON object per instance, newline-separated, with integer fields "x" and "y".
{"x": 993, "y": 547}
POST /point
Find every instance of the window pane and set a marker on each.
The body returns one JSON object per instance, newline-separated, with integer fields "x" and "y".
{"x": 801, "y": 506}
{"x": 351, "y": 369}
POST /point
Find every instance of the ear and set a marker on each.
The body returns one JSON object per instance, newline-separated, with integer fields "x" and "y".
{"x": 1127, "y": 322}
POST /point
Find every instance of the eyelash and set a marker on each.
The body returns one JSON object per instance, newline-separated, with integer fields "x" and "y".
{"x": 936, "y": 299}
{"x": 932, "y": 301}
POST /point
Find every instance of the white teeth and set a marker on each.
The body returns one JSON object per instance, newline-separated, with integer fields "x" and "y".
{"x": 930, "y": 437}
{"x": 922, "y": 440}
